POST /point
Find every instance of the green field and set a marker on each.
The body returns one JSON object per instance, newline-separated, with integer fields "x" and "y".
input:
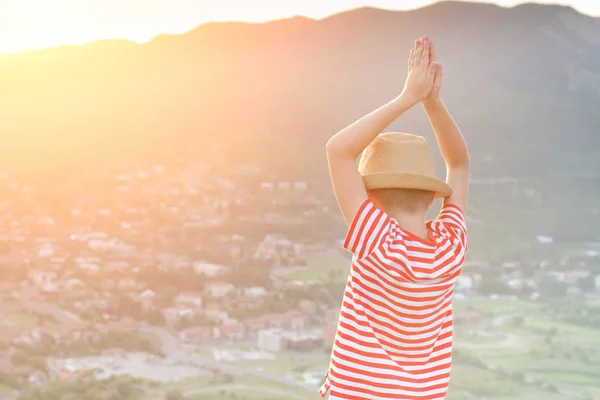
{"x": 521, "y": 350}
{"x": 4, "y": 390}
{"x": 539, "y": 356}
{"x": 247, "y": 388}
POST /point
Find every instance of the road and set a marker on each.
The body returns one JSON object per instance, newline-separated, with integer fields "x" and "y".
{"x": 171, "y": 347}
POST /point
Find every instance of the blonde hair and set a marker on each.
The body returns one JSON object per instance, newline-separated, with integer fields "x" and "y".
{"x": 409, "y": 200}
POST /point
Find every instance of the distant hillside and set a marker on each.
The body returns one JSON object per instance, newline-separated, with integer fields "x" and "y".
{"x": 523, "y": 82}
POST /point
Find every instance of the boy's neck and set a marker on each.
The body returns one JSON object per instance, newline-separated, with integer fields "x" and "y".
{"x": 411, "y": 222}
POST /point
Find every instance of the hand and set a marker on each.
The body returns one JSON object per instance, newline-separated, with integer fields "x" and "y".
{"x": 421, "y": 72}
{"x": 437, "y": 81}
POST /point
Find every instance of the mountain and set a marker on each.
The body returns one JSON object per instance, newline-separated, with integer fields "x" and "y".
{"x": 523, "y": 82}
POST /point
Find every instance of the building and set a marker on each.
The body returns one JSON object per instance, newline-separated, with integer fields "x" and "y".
{"x": 465, "y": 283}
{"x": 230, "y": 332}
{"x": 191, "y": 299}
{"x": 271, "y": 340}
{"x": 308, "y": 307}
{"x": 208, "y": 269}
{"x": 276, "y": 340}
{"x": 196, "y": 335}
{"x": 219, "y": 289}
{"x": 305, "y": 340}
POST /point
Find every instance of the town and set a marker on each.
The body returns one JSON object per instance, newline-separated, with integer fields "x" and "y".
{"x": 171, "y": 282}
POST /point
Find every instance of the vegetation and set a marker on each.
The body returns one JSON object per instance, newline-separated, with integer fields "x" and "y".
{"x": 125, "y": 340}
{"x": 118, "y": 388}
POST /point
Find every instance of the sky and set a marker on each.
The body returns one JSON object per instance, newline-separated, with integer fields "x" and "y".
{"x": 35, "y": 24}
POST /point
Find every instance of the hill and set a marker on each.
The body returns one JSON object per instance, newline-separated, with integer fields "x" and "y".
{"x": 523, "y": 82}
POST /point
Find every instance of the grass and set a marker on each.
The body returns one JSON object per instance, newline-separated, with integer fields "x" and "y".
{"x": 288, "y": 363}
{"x": 5, "y": 389}
{"x": 547, "y": 348}
{"x": 251, "y": 388}
{"x": 20, "y": 318}
{"x": 565, "y": 365}
{"x": 322, "y": 265}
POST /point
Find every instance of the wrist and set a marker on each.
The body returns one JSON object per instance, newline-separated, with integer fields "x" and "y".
{"x": 432, "y": 101}
{"x": 406, "y": 100}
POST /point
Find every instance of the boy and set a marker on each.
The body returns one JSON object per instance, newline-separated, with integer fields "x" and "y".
{"x": 394, "y": 336}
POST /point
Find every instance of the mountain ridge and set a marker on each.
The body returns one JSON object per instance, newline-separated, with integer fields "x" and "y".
{"x": 442, "y": 3}
{"x": 283, "y": 87}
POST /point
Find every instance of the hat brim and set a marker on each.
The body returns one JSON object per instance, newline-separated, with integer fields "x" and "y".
{"x": 391, "y": 180}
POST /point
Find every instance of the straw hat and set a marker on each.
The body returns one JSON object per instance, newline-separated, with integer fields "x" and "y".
{"x": 401, "y": 160}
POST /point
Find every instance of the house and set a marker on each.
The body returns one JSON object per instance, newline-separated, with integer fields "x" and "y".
{"x": 332, "y": 314}
{"x": 230, "y": 331}
{"x": 189, "y": 298}
{"x": 300, "y": 186}
{"x": 308, "y": 307}
{"x": 268, "y": 186}
{"x": 219, "y": 289}
{"x": 46, "y": 251}
{"x": 304, "y": 340}
{"x": 174, "y": 314}
{"x": 255, "y": 325}
{"x": 127, "y": 283}
{"x": 37, "y": 377}
{"x": 284, "y": 185}
{"x": 271, "y": 340}
{"x": 147, "y": 294}
{"x": 215, "y": 313}
{"x": 468, "y": 317}
{"x": 465, "y": 282}
{"x": 31, "y": 336}
{"x": 74, "y": 284}
{"x": 196, "y": 335}
{"x": 208, "y": 269}
{"x": 87, "y": 336}
{"x": 255, "y": 291}
{"x": 570, "y": 277}
{"x": 329, "y": 333}
{"x": 543, "y": 239}
{"x": 125, "y": 325}
{"x": 43, "y": 277}
{"x": 293, "y": 320}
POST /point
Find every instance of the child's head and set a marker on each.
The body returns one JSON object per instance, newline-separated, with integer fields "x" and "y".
{"x": 399, "y": 173}
{"x": 409, "y": 201}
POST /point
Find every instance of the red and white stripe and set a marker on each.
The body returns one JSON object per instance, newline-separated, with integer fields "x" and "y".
{"x": 394, "y": 336}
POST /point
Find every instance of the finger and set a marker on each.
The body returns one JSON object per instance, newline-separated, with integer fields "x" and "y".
{"x": 432, "y": 56}
{"x": 411, "y": 56}
{"x": 425, "y": 54}
{"x": 431, "y": 73}
{"x": 418, "y": 53}
{"x": 437, "y": 82}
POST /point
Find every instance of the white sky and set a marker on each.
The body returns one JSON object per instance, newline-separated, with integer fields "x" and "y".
{"x": 32, "y": 24}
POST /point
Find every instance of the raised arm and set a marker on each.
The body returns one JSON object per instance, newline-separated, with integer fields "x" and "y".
{"x": 450, "y": 139}
{"x": 344, "y": 147}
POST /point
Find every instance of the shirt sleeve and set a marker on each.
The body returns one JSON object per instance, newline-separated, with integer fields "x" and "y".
{"x": 369, "y": 230}
{"x": 453, "y": 218}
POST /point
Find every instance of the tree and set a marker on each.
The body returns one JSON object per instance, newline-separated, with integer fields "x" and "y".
{"x": 586, "y": 284}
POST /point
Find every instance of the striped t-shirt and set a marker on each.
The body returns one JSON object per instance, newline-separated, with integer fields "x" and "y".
{"x": 394, "y": 336}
